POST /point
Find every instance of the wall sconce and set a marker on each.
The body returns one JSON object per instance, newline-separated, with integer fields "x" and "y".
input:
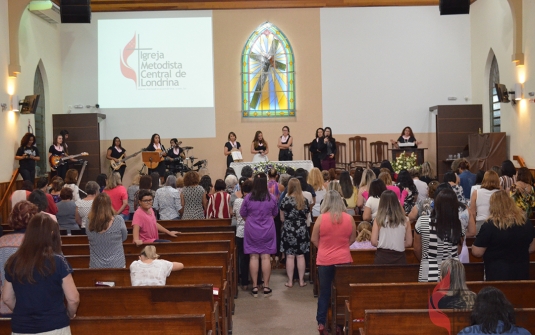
{"x": 519, "y": 91}
{"x": 14, "y": 100}
{"x": 4, "y": 107}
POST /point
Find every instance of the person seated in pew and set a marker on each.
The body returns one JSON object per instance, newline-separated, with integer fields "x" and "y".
{"x": 145, "y": 228}
{"x": 151, "y": 271}
{"x": 457, "y": 295}
{"x": 493, "y": 314}
{"x": 391, "y": 231}
{"x": 376, "y": 188}
{"x": 364, "y": 231}
{"x": 39, "y": 282}
{"x": 106, "y": 233}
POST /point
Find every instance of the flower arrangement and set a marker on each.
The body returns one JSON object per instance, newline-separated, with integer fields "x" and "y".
{"x": 266, "y": 166}
{"x": 405, "y": 162}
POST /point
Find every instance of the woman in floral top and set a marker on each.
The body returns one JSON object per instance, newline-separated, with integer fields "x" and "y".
{"x": 452, "y": 178}
{"x": 522, "y": 191}
{"x": 295, "y": 238}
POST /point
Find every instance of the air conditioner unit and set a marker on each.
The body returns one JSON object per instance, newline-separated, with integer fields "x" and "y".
{"x": 46, "y": 10}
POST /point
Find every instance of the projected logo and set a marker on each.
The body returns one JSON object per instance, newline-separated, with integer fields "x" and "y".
{"x": 154, "y": 71}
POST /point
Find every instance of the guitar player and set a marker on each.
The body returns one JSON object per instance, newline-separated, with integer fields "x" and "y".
{"x": 57, "y": 149}
{"x": 155, "y": 145}
{"x": 116, "y": 152}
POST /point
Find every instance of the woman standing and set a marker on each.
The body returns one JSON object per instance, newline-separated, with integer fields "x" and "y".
{"x": 508, "y": 177}
{"x": 219, "y": 203}
{"x": 407, "y": 136}
{"x": 458, "y": 295}
{"x": 259, "y": 148}
{"x": 243, "y": 259}
{"x": 151, "y": 271}
{"x": 328, "y": 161}
{"x": 505, "y": 240}
{"x": 391, "y": 231}
{"x": 66, "y": 214}
{"x": 315, "y": 179}
{"x": 167, "y": 200}
{"x": 522, "y": 191}
{"x": 333, "y": 233}
{"x": 27, "y": 154}
{"x": 364, "y": 187}
{"x": 131, "y": 191}
{"x": 285, "y": 145}
{"x": 117, "y": 193}
{"x": 426, "y": 173}
{"x": 295, "y": 239}
{"x": 439, "y": 236}
{"x": 317, "y": 147}
{"x": 155, "y": 145}
{"x": 193, "y": 197}
{"x": 231, "y": 145}
{"x": 18, "y": 220}
{"x": 57, "y": 149}
{"x": 174, "y": 156}
{"x": 349, "y": 192}
{"x": 71, "y": 179}
{"x": 115, "y": 152}
{"x": 39, "y": 281}
{"x": 106, "y": 233}
{"x": 83, "y": 206}
{"x": 406, "y": 184}
{"x": 480, "y": 202}
{"x": 258, "y": 210}
{"x": 377, "y": 187}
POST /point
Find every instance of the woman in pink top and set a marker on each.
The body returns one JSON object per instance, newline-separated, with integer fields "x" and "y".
{"x": 118, "y": 195}
{"x": 387, "y": 179}
{"x": 334, "y": 231}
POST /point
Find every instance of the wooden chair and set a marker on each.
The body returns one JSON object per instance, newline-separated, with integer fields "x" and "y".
{"x": 358, "y": 151}
{"x": 341, "y": 156}
{"x": 307, "y": 155}
{"x": 379, "y": 152}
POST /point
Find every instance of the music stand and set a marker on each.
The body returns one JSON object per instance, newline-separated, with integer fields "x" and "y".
{"x": 151, "y": 158}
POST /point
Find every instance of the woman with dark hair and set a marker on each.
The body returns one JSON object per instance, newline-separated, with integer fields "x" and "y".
{"x": 106, "y": 233}
{"x": 57, "y": 186}
{"x": 155, "y": 185}
{"x": 39, "y": 281}
{"x": 66, "y": 214}
{"x": 387, "y": 165}
{"x": 426, "y": 206}
{"x": 317, "y": 148}
{"x": 230, "y": 146}
{"x": 522, "y": 191}
{"x": 493, "y": 314}
{"x": 258, "y": 209}
{"x": 406, "y": 183}
{"x": 407, "y": 136}
{"x": 115, "y": 152}
{"x": 285, "y": 145}
{"x": 467, "y": 179}
{"x": 391, "y": 231}
{"x": 349, "y": 192}
{"x": 451, "y": 178}
{"x": 480, "y": 202}
{"x": 156, "y": 145}
{"x": 83, "y": 206}
{"x": 479, "y": 179}
{"x": 505, "y": 240}
{"x": 38, "y": 198}
{"x": 101, "y": 181}
{"x": 57, "y": 149}
{"x": 174, "y": 156}
{"x": 328, "y": 160}
{"x": 259, "y": 148}
{"x": 377, "y": 187}
{"x": 18, "y": 220}
{"x": 458, "y": 295}
{"x": 193, "y": 197}
{"x": 167, "y": 200}
{"x": 145, "y": 183}
{"x": 273, "y": 186}
{"x": 27, "y": 154}
{"x": 508, "y": 177}
{"x": 219, "y": 203}
{"x": 438, "y": 236}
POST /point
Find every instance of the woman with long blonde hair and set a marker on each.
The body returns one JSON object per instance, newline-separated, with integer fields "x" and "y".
{"x": 106, "y": 233}
{"x": 295, "y": 239}
{"x": 480, "y": 202}
{"x": 391, "y": 231}
{"x": 505, "y": 240}
{"x": 333, "y": 233}
{"x": 315, "y": 179}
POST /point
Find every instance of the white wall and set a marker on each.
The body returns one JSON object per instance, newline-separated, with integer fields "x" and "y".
{"x": 391, "y": 64}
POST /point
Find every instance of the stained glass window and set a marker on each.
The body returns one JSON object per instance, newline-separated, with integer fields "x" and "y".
{"x": 495, "y": 112}
{"x": 268, "y": 78}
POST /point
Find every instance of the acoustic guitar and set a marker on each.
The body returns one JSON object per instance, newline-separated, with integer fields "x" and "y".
{"x": 117, "y": 165}
{"x": 56, "y": 160}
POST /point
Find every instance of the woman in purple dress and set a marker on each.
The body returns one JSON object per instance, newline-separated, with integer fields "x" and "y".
{"x": 258, "y": 209}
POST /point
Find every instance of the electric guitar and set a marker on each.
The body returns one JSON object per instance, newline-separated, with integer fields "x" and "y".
{"x": 56, "y": 160}
{"x": 117, "y": 165}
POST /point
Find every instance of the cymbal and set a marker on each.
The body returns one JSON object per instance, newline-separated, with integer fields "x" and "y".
{"x": 187, "y": 148}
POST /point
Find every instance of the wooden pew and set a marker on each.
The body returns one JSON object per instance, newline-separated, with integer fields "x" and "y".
{"x": 417, "y": 321}
{"x": 157, "y": 300}
{"x": 213, "y": 275}
{"x": 474, "y": 259}
{"x": 191, "y": 223}
{"x": 416, "y": 295}
{"x": 189, "y": 324}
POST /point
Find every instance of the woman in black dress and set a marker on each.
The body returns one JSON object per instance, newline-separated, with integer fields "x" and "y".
{"x": 285, "y": 145}
{"x": 27, "y": 154}
{"x": 407, "y": 136}
{"x": 174, "y": 156}
{"x": 155, "y": 145}
{"x": 317, "y": 147}
{"x": 115, "y": 152}
{"x": 231, "y": 144}
{"x": 327, "y": 156}
{"x": 57, "y": 149}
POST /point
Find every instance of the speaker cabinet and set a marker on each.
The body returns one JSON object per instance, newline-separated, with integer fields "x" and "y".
{"x": 75, "y": 11}
{"x": 453, "y": 7}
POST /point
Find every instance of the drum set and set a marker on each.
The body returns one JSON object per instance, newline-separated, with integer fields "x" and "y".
{"x": 184, "y": 163}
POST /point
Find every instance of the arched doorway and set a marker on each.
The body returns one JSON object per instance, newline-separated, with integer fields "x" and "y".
{"x": 40, "y": 134}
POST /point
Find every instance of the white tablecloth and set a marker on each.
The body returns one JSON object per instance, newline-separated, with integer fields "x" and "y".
{"x": 307, "y": 165}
